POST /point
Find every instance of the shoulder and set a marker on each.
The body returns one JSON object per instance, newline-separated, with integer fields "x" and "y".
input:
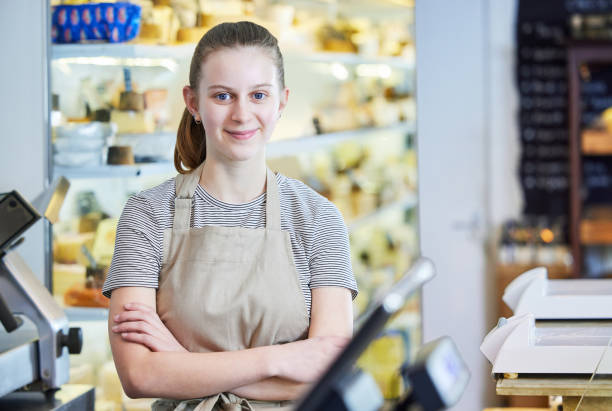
{"x": 301, "y": 200}
{"x": 304, "y": 208}
{"x": 154, "y": 202}
{"x": 159, "y": 193}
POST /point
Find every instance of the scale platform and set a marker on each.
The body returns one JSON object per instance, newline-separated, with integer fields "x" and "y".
{"x": 532, "y": 292}
{"x": 523, "y": 345}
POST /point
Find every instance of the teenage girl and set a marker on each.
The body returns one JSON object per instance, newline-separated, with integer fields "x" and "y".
{"x": 229, "y": 284}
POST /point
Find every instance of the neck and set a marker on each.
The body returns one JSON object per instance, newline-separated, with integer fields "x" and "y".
{"x": 234, "y": 183}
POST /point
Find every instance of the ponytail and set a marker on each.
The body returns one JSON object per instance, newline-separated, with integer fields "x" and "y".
{"x": 190, "y": 149}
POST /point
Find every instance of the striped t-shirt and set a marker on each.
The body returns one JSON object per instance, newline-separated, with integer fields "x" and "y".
{"x": 319, "y": 237}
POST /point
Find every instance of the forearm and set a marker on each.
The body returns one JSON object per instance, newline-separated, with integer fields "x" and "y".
{"x": 272, "y": 389}
{"x": 146, "y": 369}
{"x": 195, "y": 375}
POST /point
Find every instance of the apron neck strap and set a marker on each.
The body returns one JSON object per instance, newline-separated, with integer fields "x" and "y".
{"x": 273, "y": 220}
{"x": 186, "y": 185}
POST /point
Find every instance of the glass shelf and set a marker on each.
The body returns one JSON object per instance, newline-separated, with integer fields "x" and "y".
{"x": 121, "y": 50}
{"x": 94, "y": 53}
{"x": 276, "y": 148}
{"x": 86, "y": 313}
{"x": 114, "y": 171}
{"x": 279, "y": 148}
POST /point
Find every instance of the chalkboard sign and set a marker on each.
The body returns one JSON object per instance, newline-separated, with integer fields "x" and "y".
{"x": 544, "y": 29}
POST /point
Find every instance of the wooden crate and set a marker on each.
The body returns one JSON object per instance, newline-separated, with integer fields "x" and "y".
{"x": 596, "y": 142}
{"x": 596, "y": 231}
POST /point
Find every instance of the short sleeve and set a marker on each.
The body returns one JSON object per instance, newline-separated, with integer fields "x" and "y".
{"x": 330, "y": 259}
{"x": 137, "y": 256}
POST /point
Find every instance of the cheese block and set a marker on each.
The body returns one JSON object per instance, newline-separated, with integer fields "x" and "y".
{"x": 165, "y": 18}
{"x": 66, "y": 275}
{"x": 190, "y": 34}
{"x": 67, "y": 247}
{"x": 78, "y": 295}
{"x": 133, "y": 122}
{"x": 104, "y": 243}
{"x": 130, "y": 100}
{"x": 88, "y": 223}
{"x": 382, "y": 360}
{"x": 151, "y": 32}
{"x": 120, "y": 155}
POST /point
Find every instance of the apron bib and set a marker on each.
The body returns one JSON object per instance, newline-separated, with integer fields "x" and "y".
{"x": 228, "y": 288}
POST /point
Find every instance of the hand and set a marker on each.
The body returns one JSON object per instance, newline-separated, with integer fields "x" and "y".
{"x": 307, "y": 360}
{"x": 140, "y": 323}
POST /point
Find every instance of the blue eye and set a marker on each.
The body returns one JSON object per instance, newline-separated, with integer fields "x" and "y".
{"x": 259, "y": 96}
{"x": 222, "y": 96}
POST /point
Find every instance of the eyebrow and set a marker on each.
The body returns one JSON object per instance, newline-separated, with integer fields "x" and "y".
{"x": 219, "y": 86}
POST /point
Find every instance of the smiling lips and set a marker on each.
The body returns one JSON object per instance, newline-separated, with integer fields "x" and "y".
{"x": 242, "y": 135}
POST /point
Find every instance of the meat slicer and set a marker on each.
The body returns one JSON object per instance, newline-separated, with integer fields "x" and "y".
{"x": 35, "y": 339}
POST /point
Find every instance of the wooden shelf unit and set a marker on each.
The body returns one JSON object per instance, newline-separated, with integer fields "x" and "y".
{"x": 578, "y": 54}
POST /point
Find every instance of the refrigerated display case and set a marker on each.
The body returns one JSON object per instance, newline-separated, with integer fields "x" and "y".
{"x": 348, "y": 132}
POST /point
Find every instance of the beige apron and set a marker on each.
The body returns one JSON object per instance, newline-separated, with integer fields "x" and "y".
{"x": 228, "y": 288}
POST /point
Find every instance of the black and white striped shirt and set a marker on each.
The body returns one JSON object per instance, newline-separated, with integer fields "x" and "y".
{"x": 319, "y": 237}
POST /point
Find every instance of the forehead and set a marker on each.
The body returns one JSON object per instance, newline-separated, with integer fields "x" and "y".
{"x": 239, "y": 67}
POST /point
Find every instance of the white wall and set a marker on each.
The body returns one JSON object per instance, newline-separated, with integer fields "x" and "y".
{"x": 505, "y": 197}
{"x": 468, "y": 153}
{"x": 23, "y": 110}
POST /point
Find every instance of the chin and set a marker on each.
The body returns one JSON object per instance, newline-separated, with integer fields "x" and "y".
{"x": 245, "y": 154}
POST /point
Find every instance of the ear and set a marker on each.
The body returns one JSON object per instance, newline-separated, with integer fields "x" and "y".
{"x": 191, "y": 100}
{"x": 284, "y": 97}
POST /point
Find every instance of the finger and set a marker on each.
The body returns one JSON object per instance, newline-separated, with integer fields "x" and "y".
{"x": 142, "y": 308}
{"x": 138, "y": 306}
{"x": 140, "y": 327}
{"x": 148, "y": 317}
{"x": 133, "y": 326}
{"x": 144, "y": 339}
{"x": 163, "y": 343}
{"x": 130, "y": 316}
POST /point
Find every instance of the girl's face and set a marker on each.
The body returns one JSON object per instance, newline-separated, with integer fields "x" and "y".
{"x": 239, "y": 101}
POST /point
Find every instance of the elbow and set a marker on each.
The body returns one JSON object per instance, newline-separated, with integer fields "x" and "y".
{"x": 135, "y": 380}
{"x": 136, "y": 384}
{"x": 133, "y": 384}
{"x": 299, "y": 391}
{"x": 132, "y": 390}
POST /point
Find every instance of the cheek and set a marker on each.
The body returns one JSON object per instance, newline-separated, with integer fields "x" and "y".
{"x": 269, "y": 115}
{"x": 212, "y": 115}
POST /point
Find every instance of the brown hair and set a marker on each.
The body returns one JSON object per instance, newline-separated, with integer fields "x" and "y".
{"x": 190, "y": 149}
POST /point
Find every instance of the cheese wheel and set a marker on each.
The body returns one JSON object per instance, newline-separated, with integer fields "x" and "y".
{"x": 190, "y": 34}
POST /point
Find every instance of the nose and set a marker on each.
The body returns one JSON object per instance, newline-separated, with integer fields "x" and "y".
{"x": 240, "y": 112}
